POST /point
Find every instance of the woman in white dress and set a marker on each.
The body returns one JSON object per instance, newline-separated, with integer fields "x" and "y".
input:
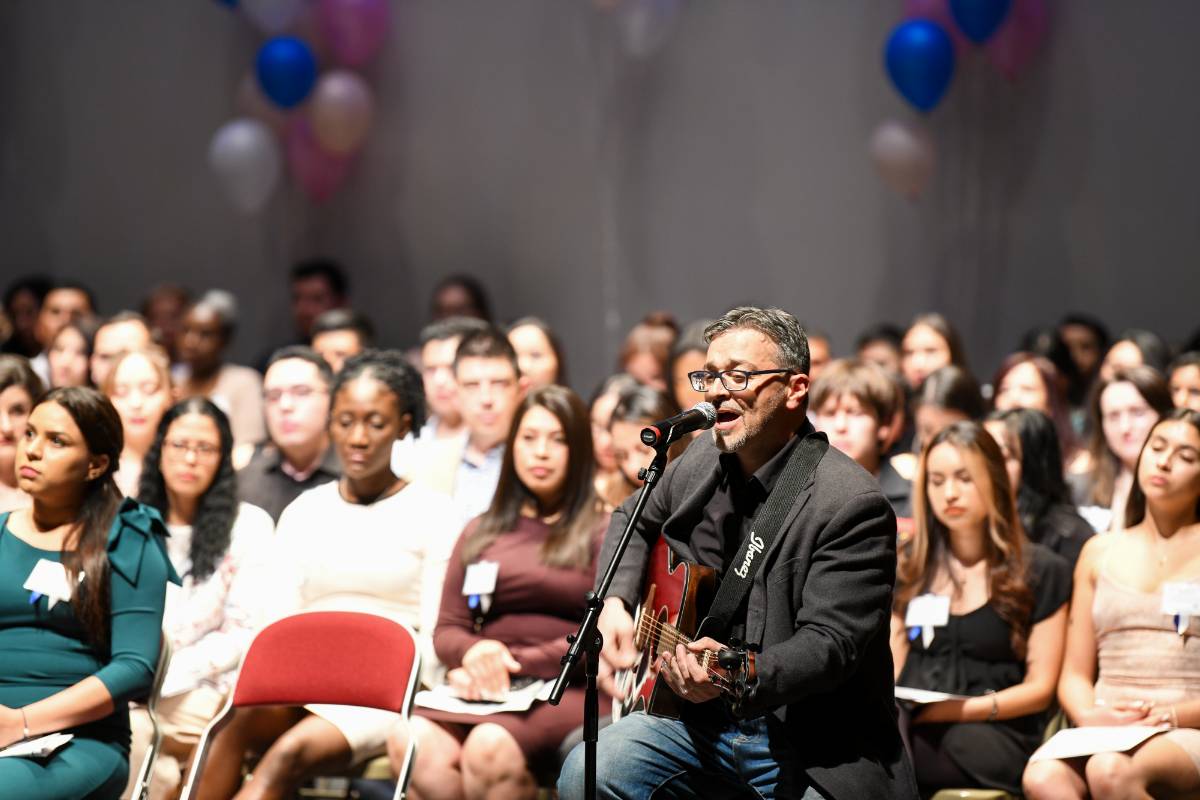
{"x": 369, "y": 542}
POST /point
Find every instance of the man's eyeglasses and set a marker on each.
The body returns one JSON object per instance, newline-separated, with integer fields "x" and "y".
{"x": 735, "y": 380}
{"x": 203, "y": 450}
{"x": 301, "y": 392}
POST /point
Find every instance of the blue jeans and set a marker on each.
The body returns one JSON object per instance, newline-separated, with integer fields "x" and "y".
{"x": 644, "y": 756}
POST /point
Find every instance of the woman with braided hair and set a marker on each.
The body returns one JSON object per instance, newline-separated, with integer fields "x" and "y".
{"x": 393, "y": 541}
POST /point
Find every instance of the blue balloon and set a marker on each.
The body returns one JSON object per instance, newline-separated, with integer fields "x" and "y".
{"x": 919, "y": 57}
{"x": 286, "y": 70}
{"x": 979, "y": 19}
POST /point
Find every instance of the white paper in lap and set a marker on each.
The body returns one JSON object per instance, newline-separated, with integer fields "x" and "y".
{"x": 923, "y": 696}
{"x": 1078, "y": 742}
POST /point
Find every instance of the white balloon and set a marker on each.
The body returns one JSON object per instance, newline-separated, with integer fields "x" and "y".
{"x": 272, "y": 16}
{"x": 246, "y": 158}
{"x": 904, "y": 155}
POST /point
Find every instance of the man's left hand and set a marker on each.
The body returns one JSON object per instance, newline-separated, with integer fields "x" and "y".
{"x": 684, "y": 674}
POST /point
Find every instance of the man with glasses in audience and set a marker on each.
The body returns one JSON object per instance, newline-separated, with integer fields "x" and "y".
{"x": 814, "y": 714}
{"x": 298, "y": 456}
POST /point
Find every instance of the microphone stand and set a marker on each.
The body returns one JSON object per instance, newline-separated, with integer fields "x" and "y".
{"x": 587, "y": 641}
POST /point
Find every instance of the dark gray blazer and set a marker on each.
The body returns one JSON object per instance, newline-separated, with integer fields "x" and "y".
{"x": 820, "y": 605}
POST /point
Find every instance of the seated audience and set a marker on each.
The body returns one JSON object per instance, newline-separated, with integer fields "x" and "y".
{"x": 687, "y": 355}
{"x": 297, "y": 457}
{"x": 539, "y": 354}
{"x": 543, "y": 530}
{"x": 74, "y": 651}
{"x": 611, "y": 486}
{"x": 819, "y": 350}
{"x": 1131, "y": 658}
{"x": 946, "y": 395}
{"x": 139, "y": 386}
{"x": 370, "y": 542}
{"x": 65, "y": 302}
{"x": 929, "y": 344}
{"x": 340, "y": 333}
{"x": 880, "y": 344}
{"x": 1135, "y": 347}
{"x": 114, "y": 337}
{"x": 861, "y": 409}
{"x": 638, "y": 406}
{"x": 1123, "y": 410}
{"x": 1184, "y": 381}
{"x": 20, "y": 388}
{"x": 69, "y": 355}
{"x": 317, "y": 285}
{"x": 646, "y": 352}
{"x": 217, "y": 546}
{"x": 489, "y": 388}
{"x": 208, "y": 328}
{"x": 1028, "y": 381}
{"x": 1087, "y": 341}
{"x": 1000, "y": 642}
{"x": 22, "y": 301}
{"x": 444, "y": 433}
{"x": 460, "y": 296}
{"x": 163, "y": 310}
{"x": 439, "y": 343}
{"x": 1029, "y": 442}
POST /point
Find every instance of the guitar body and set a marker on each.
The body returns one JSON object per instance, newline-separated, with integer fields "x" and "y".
{"x": 676, "y": 592}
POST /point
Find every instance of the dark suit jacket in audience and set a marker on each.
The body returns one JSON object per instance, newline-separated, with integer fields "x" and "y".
{"x": 263, "y": 483}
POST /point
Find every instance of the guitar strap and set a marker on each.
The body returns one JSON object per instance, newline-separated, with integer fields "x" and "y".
{"x": 764, "y": 529}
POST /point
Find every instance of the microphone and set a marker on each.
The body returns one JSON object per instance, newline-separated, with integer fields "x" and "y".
{"x": 699, "y": 417}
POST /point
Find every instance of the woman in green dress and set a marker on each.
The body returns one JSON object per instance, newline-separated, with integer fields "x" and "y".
{"x": 83, "y": 578}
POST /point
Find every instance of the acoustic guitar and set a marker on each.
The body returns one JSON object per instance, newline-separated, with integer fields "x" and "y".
{"x": 669, "y": 615}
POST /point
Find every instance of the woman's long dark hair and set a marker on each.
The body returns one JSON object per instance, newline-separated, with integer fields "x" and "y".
{"x": 1042, "y": 484}
{"x": 1004, "y": 540}
{"x": 212, "y": 527}
{"x": 573, "y": 534}
{"x": 86, "y": 549}
{"x": 1135, "y": 508}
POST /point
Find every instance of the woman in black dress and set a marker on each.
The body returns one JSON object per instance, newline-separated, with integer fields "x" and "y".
{"x": 1002, "y": 602}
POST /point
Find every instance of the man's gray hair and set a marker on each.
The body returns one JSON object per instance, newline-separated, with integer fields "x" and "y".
{"x": 776, "y": 324}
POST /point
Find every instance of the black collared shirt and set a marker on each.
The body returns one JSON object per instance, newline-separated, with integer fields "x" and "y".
{"x": 263, "y": 483}
{"x": 730, "y": 511}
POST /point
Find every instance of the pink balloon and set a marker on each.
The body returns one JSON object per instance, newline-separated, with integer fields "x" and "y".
{"x": 1018, "y": 40}
{"x": 938, "y": 11}
{"x": 354, "y": 29}
{"x": 319, "y": 173}
{"x": 340, "y": 111}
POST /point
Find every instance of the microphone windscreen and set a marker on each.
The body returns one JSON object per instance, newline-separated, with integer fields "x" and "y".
{"x": 709, "y": 411}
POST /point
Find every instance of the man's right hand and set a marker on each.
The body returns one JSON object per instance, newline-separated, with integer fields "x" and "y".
{"x": 616, "y": 626}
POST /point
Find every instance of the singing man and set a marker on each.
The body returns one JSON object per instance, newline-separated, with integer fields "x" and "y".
{"x": 816, "y": 716}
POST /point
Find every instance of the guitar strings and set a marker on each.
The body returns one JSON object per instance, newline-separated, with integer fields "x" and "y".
{"x": 671, "y": 634}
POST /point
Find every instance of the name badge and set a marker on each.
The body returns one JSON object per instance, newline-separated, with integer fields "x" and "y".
{"x": 925, "y": 614}
{"x": 481, "y": 578}
{"x": 48, "y": 579}
{"x": 1181, "y": 600}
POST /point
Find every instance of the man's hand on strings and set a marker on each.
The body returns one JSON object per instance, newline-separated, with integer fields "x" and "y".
{"x": 684, "y": 674}
{"x": 619, "y": 652}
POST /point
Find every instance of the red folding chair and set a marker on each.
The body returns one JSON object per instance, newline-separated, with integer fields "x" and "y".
{"x": 329, "y": 657}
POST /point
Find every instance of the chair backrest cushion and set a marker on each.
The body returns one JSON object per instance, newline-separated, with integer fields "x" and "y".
{"x": 334, "y": 657}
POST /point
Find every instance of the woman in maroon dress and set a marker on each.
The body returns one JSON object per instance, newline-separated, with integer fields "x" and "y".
{"x": 543, "y": 532}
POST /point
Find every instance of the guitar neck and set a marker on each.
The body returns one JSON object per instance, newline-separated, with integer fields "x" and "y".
{"x": 662, "y": 637}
